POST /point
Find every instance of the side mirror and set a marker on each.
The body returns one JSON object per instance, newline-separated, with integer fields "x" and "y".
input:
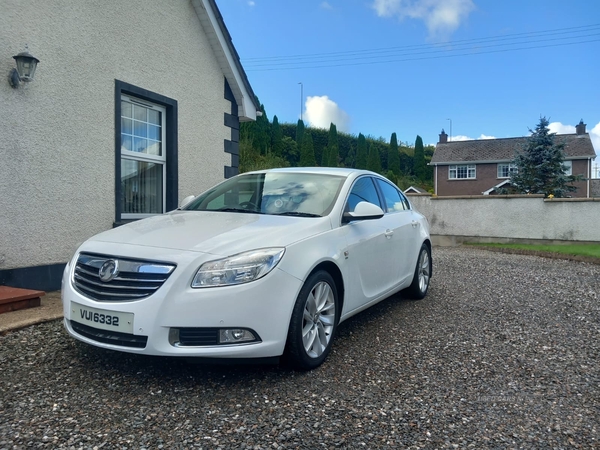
{"x": 186, "y": 200}
{"x": 363, "y": 211}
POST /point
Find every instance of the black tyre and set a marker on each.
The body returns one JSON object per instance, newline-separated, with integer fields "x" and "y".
{"x": 420, "y": 283}
{"x": 314, "y": 322}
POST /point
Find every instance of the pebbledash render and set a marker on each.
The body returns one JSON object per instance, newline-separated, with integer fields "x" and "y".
{"x": 134, "y": 106}
{"x": 481, "y": 167}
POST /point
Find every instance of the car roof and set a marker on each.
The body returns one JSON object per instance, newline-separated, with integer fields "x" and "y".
{"x": 339, "y": 171}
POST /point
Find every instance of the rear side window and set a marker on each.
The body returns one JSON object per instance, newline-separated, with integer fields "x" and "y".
{"x": 394, "y": 200}
{"x": 362, "y": 191}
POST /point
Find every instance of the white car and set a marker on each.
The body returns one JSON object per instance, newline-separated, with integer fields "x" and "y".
{"x": 264, "y": 264}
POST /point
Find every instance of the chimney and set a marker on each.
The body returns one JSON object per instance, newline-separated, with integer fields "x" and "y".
{"x": 580, "y": 128}
{"x": 444, "y": 137}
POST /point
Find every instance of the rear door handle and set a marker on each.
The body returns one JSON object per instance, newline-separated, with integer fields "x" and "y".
{"x": 388, "y": 233}
{"x": 415, "y": 224}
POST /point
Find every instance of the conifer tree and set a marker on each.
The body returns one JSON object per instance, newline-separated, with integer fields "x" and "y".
{"x": 299, "y": 133}
{"x": 394, "y": 155}
{"x": 420, "y": 167}
{"x": 325, "y": 157}
{"x": 307, "y": 151}
{"x": 350, "y": 160}
{"x": 539, "y": 165}
{"x": 333, "y": 145}
{"x": 276, "y": 137}
{"x": 361, "y": 152}
{"x": 374, "y": 161}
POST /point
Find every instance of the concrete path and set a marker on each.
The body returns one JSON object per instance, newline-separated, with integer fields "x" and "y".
{"x": 50, "y": 309}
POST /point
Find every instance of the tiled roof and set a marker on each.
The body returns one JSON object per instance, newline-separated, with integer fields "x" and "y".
{"x": 577, "y": 146}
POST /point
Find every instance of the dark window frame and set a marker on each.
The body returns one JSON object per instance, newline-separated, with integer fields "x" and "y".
{"x": 171, "y": 178}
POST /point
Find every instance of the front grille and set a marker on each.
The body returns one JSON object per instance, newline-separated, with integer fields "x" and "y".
{"x": 128, "y": 279}
{"x": 110, "y": 337}
{"x": 198, "y": 336}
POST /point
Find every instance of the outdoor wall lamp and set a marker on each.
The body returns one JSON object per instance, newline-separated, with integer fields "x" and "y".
{"x": 26, "y": 64}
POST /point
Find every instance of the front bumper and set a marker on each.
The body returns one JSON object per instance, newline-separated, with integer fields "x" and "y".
{"x": 263, "y": 306}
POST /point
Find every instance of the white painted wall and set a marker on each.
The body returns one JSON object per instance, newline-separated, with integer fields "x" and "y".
{"x": 57, "y": 151}
{"x": 520, "y": 217}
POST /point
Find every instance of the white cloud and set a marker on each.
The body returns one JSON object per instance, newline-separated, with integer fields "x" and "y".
{"x": 442, "y": 17}
{"x": 461, "y": 137}
{"x": 326, "y": 5}
{"x": 321, "y": 112}
{"x": 559, "y": 128}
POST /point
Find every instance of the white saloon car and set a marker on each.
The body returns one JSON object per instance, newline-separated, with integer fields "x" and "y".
{"x": 264, "y": 264}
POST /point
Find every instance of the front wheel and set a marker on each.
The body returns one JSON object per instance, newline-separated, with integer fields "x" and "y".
{"x": 420, "y": 283}
{"x": 313, "y": 323}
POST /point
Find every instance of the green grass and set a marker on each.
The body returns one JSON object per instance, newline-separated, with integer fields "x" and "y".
{"x": 587, "y": 250}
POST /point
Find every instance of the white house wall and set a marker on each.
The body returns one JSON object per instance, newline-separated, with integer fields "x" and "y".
{"x": 57, "y": 146}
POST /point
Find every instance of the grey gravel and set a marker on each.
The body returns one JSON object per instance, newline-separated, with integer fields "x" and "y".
{"x": 503, "y": 353}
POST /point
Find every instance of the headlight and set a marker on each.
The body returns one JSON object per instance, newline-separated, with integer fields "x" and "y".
{"x": 237, "y": 269}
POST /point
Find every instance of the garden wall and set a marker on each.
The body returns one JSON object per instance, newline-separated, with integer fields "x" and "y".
{"x": 510, "y": 218}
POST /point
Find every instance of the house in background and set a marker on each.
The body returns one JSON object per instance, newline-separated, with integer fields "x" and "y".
{"x": 134, "y": 106}
{"x": 415, "y": 190}
{"x": 480, "y": 167}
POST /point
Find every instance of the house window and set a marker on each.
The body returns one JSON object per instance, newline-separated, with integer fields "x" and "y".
{"x": 146, "y": 153}
{"x": 506, "y": 170}
{"x": 143, "y": 158}
{"x": 462, "y": 172}
{"x": 568, "y": 167}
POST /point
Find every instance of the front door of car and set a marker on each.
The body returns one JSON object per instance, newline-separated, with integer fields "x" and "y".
{"x": 371, "y": 262}
{"x": 399, "y": 218}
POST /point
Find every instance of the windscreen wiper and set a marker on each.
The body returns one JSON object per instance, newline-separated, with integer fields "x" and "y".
{"x": 238, "y": 210}
{"x": 297, "y": 214}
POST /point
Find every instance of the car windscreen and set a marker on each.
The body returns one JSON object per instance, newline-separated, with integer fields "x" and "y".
{"x": 278, "y": 193}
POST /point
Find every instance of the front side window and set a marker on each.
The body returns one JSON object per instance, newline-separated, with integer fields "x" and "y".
{"x": 143, "y": 158}
{"x": 362, "y": 191}
{"x": 568, "y": 167}
{"x": 506, "y": 170}
{"x": 461, "y": 172}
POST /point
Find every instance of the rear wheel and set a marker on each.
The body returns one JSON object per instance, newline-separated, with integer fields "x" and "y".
{"x": 313, "y": 323}
{"x": 420, "y": 283}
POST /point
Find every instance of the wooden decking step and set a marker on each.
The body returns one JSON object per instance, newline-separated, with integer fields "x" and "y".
{"x": 13, "y": 299}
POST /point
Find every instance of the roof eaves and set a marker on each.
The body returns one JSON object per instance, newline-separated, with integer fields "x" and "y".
{"x": 220, "y": 40}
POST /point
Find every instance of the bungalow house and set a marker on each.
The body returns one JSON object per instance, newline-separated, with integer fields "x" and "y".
{"x": 134, "y": 105}
{"x": 480, "y": 167}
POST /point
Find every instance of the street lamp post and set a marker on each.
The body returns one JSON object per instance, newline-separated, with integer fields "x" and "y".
{"x": 450, "y": 128}
{"x": 301, "y": 98}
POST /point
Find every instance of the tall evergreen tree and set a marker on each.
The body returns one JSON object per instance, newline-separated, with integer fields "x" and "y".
{"x": 333, "y": 145}
{"x": 540, "y": 168}
{"x": 299, "y": 133}
{"x": 325, "y": 157}
{"x": 350, "y": 160}
{"x": 276, "y": 137}
{"x": 262, "y": 135}
{"x": 307, "y": 151}
{"x": 420, "y": 166}
{"x": 361, "y": 152}
{"x": 374, "y": 160}
{"x": 394, "y": 155}
{"x": 290, "y": 151}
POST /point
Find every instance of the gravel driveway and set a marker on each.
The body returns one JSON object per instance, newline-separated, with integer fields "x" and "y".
{"x": 503, "y": 353}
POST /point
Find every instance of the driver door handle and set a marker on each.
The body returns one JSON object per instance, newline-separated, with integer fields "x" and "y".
{"x": 388, "y": 233}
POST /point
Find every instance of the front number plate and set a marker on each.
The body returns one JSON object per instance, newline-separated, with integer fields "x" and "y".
{"x": 102, "y": 318}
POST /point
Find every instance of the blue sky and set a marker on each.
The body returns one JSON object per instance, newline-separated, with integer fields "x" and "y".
{"x": 408, "y": 66}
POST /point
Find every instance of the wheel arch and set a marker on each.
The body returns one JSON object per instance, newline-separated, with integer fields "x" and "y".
{"x": 335, "y": 272}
